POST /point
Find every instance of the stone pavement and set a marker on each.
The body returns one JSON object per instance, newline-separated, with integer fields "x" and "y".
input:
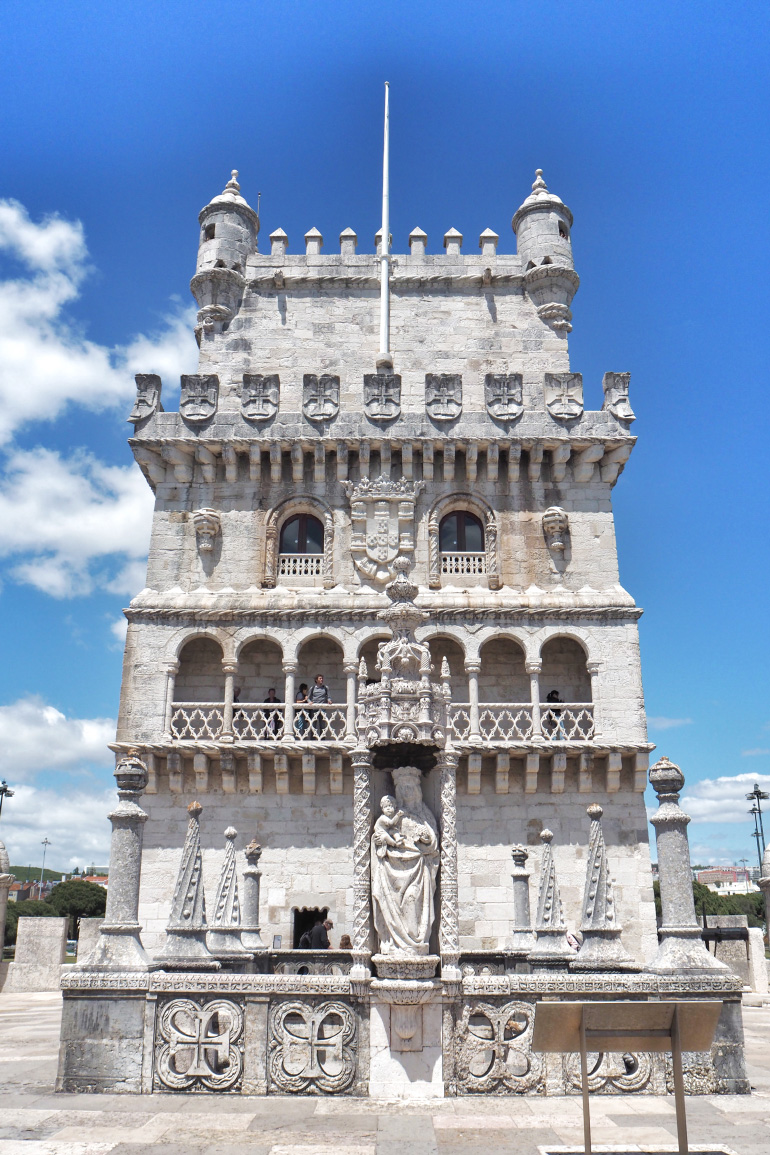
{"x": 35, "y": 1121}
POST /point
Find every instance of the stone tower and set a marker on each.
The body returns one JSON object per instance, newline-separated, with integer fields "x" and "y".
{"x": 291, "y": 481}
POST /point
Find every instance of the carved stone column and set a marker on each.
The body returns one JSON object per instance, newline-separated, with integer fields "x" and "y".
{"x": 522, "y": 938}
{"x": 6, "y": 881}
{"x": 351, "y": 670}
{"x": 119, "y": 946}
{"x": 362, "y": 867}
{"x": 250, "y": 931}
{"x": 473, "y": 669}
{"x": 171, "y": 672}
{"x": 593, "y": 671}
{"x": 449, "y": 923}
{"x": 229, "y": 669}
{"x": 289, "y": 670}
{"x": 533, "y": 669}
{"x": 681, "y": 947}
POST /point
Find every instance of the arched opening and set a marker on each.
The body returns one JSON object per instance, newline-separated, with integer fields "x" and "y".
{"x": 301, "y": 547}
{"x": 321, "y": 713}
{"x": 369, "y": 653}
{"x": 259, "y": 672}
{"x": 200, "y": 677}
{"x": 461, "y": 544}
{"x": 448, "y": 648}
{"x": 565, "y": 691}
{"x": 503, "y": 677}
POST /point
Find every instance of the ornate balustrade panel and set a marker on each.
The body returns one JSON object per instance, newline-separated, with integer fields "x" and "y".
{"x": 568, "y": 722}
{"x": 505, "y": 723}
{"x": 196, "y": 721}
{"x": 321, "y": 723}
{"x": 460, "y": 721}
{"x": 292, "y": 565}
{"x": 463, "y": 563}
{"x": 258, "y": 722}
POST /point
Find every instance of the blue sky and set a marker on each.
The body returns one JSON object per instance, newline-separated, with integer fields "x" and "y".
{"x": 649, "y": 120}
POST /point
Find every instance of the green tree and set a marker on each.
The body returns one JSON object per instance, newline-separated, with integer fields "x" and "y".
{"x": 29, "y": 909}
{"x": 77, "y": 899}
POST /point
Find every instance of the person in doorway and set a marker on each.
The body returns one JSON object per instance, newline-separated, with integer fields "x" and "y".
{"x": 273, "y": 718}
{"x": 319, "y": 697}
{"x": 300, "y": 716}
{"x": 319, "y": 935}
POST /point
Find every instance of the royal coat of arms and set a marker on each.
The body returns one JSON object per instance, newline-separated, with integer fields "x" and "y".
{"x": 320, "y": 396}
{"x": 147, "y": 397}
{"x": 259, "y": 396}
{"x": 382, "y": 516}
{"x": 382, "y": 396}
{"x": 616, "y": 396}
{"x": 443, "y": 395}
{"x": 200, "y": 393}
{"x": 564, "y": 395}
{"x": 503, "y": 395}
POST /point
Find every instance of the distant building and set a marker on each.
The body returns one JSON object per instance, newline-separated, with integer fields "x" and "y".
{"x": 726, "y": 879}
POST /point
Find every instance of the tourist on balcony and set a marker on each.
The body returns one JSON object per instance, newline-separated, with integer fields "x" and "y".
{"x": 319, "y": 696}
{"x": 300, "y": 718}
{"x": 273, "y": 718}
{"x": 319, "y": 935}
{"x": 552, "y": 724}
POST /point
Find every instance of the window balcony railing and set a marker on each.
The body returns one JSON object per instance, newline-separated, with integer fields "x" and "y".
{"x": 259, "y": 722}
{"x": 299, "y": 565}
{"x": 463, "y": 563}
{"x": 321, "y": 723}
{"x": 515, "y": 722}
{"x": 197, "y": 721}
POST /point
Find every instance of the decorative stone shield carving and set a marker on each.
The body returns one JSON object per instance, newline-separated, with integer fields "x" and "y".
{"x": 200, "y": 394}
{"x": 148, "y": 387}
{"x": 382, "y": 513}
{"x": 494, "y": 1049}
{"x": 382, "y": 396}
{"x": 320, "y": 396}
{"x": 616, "y": 396}
{"x": 312, "y": 1049}
{"x": 443, "y": 395}
{"x": 564, "y": 395}
{"x": 199, "y": 1046}
{"x": 259, "y": 396}
{"x": 503, "y": 395}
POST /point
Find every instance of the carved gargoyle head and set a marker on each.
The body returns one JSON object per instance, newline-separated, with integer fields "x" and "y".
{"x": 555, "y": 528}
{"x": 207, "y": 526}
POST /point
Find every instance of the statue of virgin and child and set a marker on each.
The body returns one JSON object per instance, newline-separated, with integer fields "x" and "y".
{"x": 405, "y": 860}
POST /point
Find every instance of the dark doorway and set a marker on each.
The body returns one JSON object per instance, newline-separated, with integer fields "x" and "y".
{"x": 306, "y": 920}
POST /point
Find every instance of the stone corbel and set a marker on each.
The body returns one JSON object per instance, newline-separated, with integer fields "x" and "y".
{"x": 181, "y": 462}
{"x": 583, "y": 466}
{"x": 613, "y": 461}
{"x": 151, "y": 465}
{"x": 207, "y": 525}
{"x": 208, "y": 463}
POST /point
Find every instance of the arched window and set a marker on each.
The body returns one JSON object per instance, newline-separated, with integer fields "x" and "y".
{"x": 461, "y": 532}
{"x": 302, "y": 533}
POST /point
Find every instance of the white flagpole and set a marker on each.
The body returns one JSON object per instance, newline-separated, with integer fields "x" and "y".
{"x": 384, "y": 359}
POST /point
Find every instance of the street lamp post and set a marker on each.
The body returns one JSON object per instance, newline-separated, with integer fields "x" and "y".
{"x": 756, "y": 811}
{"x": 5, "y": 792}
{"x": 45, "y": 844}
{"x": 758, "y": 796}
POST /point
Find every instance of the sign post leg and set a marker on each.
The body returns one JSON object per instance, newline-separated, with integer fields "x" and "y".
{"x": 676, "y": 1063}
{"x": 584, "y": 1085}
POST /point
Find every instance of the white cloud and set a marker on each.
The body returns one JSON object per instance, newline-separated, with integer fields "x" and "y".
{"x": 46, "y": 363}
{"x": 756, "y": 750}
{"x": 75, "y": 823}
{"x": 69, "y": 525}
{"x": 36, "y": 737}
{"x": 722, "y": 799}
{"x": 119, "y": 629}
{"x": 659, "y": 723}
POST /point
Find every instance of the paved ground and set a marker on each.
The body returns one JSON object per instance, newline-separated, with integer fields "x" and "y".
{"x": 34, "y": 1121}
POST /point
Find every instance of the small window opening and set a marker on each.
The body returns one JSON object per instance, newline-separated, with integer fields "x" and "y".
{"x": 220, "y": 265}
{"x": 547, "y": 261}
{"x": 461, "y": 532}
{"x": 305, "y": 920}
{"x": 302, "y": 533}
{"x": 209, "y": 232}
{"x": 530, "y": 265}
{"x": 563, "y": 230}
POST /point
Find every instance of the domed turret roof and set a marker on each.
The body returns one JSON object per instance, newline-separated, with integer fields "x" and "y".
{"x": 230, "y": 197}
{"x": 540, "y": 198}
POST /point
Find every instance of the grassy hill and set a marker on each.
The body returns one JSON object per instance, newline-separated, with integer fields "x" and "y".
{"x": 32, "y": 873}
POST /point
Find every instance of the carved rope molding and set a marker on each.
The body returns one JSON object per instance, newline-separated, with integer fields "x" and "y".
{"x": 302, "y": 503}
{"x": 450, "y": 504}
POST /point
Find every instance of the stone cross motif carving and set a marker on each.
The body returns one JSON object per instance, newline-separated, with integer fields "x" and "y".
{"x": 382, "y": 396}
{"x": 312, "y": 1048}
{"x": 199, "y": 1045}
{"x": 207, "y": 526}
{"x": 259, "y": 396}
{"x": 320, "y": 396}
{"x": 616, "y": 400}
{"x": 382, "y": 514}
{"x": 601, "y": 948}
{"x": 443, "y": 395}
{"x": 503, "y": 395}
{"x": 224, "y": 937}
{"x": 199, "y": 397}
{"x": 564, "y": 395}
{"x": 405, "y": 860}
{"x": 148, "y": 386}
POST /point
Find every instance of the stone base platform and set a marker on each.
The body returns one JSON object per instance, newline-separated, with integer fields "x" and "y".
{"x": 321, "y": 1034}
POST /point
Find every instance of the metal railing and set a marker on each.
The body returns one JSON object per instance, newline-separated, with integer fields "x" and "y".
{"x": 463, "y": 563}
{"x": 300, "y": 564}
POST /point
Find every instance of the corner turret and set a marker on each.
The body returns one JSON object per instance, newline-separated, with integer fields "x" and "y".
{"x": 229, "y": 231}
{"x": 542, "y": 226}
